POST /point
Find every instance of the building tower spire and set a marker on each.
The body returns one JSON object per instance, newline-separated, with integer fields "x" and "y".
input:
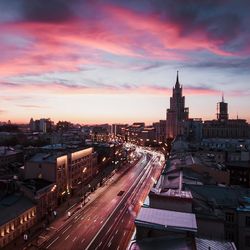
{"x": 177, "y": 114}
{"x": 223, "y": 97}
{"x": 177, "y": 84}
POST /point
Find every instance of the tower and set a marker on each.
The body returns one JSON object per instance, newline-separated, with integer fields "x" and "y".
{"x": 222, "y": 110}
{"x": 177, "y": 113}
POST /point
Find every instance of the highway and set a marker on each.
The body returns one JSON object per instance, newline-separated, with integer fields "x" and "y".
{"x": 108, "y": 222}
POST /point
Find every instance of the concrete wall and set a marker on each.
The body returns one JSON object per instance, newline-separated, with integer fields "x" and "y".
{"x": 145, "y": 232}
{"x": 44, "y": 170}
{"x": 170, "y": 203}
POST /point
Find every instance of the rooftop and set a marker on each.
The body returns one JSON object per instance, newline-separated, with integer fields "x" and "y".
{"x": 177, "y": 194}
{"x": 217, "y": 196}
{"x": 204, "y": 244}
{"x": 36, "y": 184}
{"x": 7, "y": 151}
{"x": 163, "y": 243}
{"x": 166, "y": 220}
{"x": 45, "y": 157}
{"x": 12, "y": 206}
{"x": 183, "y": 243}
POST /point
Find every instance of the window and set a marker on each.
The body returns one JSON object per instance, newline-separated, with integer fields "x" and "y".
{"x": 247, "y": 221}
{"x": 229, "y": 217}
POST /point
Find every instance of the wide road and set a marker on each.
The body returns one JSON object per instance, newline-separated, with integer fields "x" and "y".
{"x": 107, "y": 222}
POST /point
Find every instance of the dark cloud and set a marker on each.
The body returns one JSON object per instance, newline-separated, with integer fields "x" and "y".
{"x": 37, "y": 10}
{"x": 200, "y": 87}
{"x": 9, "y": 84}
{"x": 150, "y": 66}
{"x": 30, "y": 106}
{"x": 48, "y": 10}
{"x": 222, "y": 21}
{"x": 232, "y": 64}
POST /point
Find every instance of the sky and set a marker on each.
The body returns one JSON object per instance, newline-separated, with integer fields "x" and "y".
{"x": 116, "y": 61}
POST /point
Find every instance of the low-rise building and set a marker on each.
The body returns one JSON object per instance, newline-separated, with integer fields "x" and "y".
{"x": 67, "y": 170}
{"x": 42, "y": 193}
{"x": 222, "y": 213}
{"x": 9, "y": 155}
{"x": 232, "y": 128}
{"x": 239, "y": 173}
{"x": 152, "y": 222}
{"x": 17, "y": 215}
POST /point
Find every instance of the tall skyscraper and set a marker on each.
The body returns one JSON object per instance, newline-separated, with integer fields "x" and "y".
{"x": 222, "y": 110}
{"x": 177, "y": 113}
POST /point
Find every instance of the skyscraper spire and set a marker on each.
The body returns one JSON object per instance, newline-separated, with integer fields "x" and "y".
{"x": 177, "y": 84}
{"x": 177, "y": 113}
{"x": 223, "y": 97}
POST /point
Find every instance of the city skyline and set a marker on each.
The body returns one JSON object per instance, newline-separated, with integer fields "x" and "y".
{"x": 67, "y": 62}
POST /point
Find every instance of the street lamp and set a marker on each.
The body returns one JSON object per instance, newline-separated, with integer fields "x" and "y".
{"x": 83, "y": 172}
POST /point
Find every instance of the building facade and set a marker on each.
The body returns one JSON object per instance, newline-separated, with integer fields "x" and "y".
{"x": 222, "y": 110}
{"x": 18, "y": 214}
{"x": 177, "y": 113}
{"x": 68, "y": 171}
{"x": 224, "y": 127}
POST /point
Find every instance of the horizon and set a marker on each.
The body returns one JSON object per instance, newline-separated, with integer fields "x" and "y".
{"x": 120, "y": 65}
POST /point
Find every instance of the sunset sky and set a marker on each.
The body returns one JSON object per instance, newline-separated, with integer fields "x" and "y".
{"x": 116, "y": 61}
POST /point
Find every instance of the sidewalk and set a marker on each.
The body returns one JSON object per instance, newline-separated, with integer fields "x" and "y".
{"x": 39, "y": 233}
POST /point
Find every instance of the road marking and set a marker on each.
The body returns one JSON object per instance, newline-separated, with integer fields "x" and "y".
{"x": 122, "y": 220}
{"x": 66, "y": 229}
{"x": 52, "y": 227}
{"x": 101, "y": 222}
{"x": 95, "y": 220}
{"x": 116, "y": 231}
{"x": 67, "y": 237}
{"x": 108, "y": 231}
{"x": 52, "y": 242}
{"x": 124, "y": 233}
{"x": 74, "y": 239}
{"x": 112, "y": 213}
{"x": 82, "y": 240}
{"x": 118, "y": 247}
{"x": 110, "y": 242}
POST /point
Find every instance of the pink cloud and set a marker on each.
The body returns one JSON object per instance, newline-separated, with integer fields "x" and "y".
{"x": 67, "y": 89}
{"x": 47, "y": 47}
{"x": 167, "y": 33}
